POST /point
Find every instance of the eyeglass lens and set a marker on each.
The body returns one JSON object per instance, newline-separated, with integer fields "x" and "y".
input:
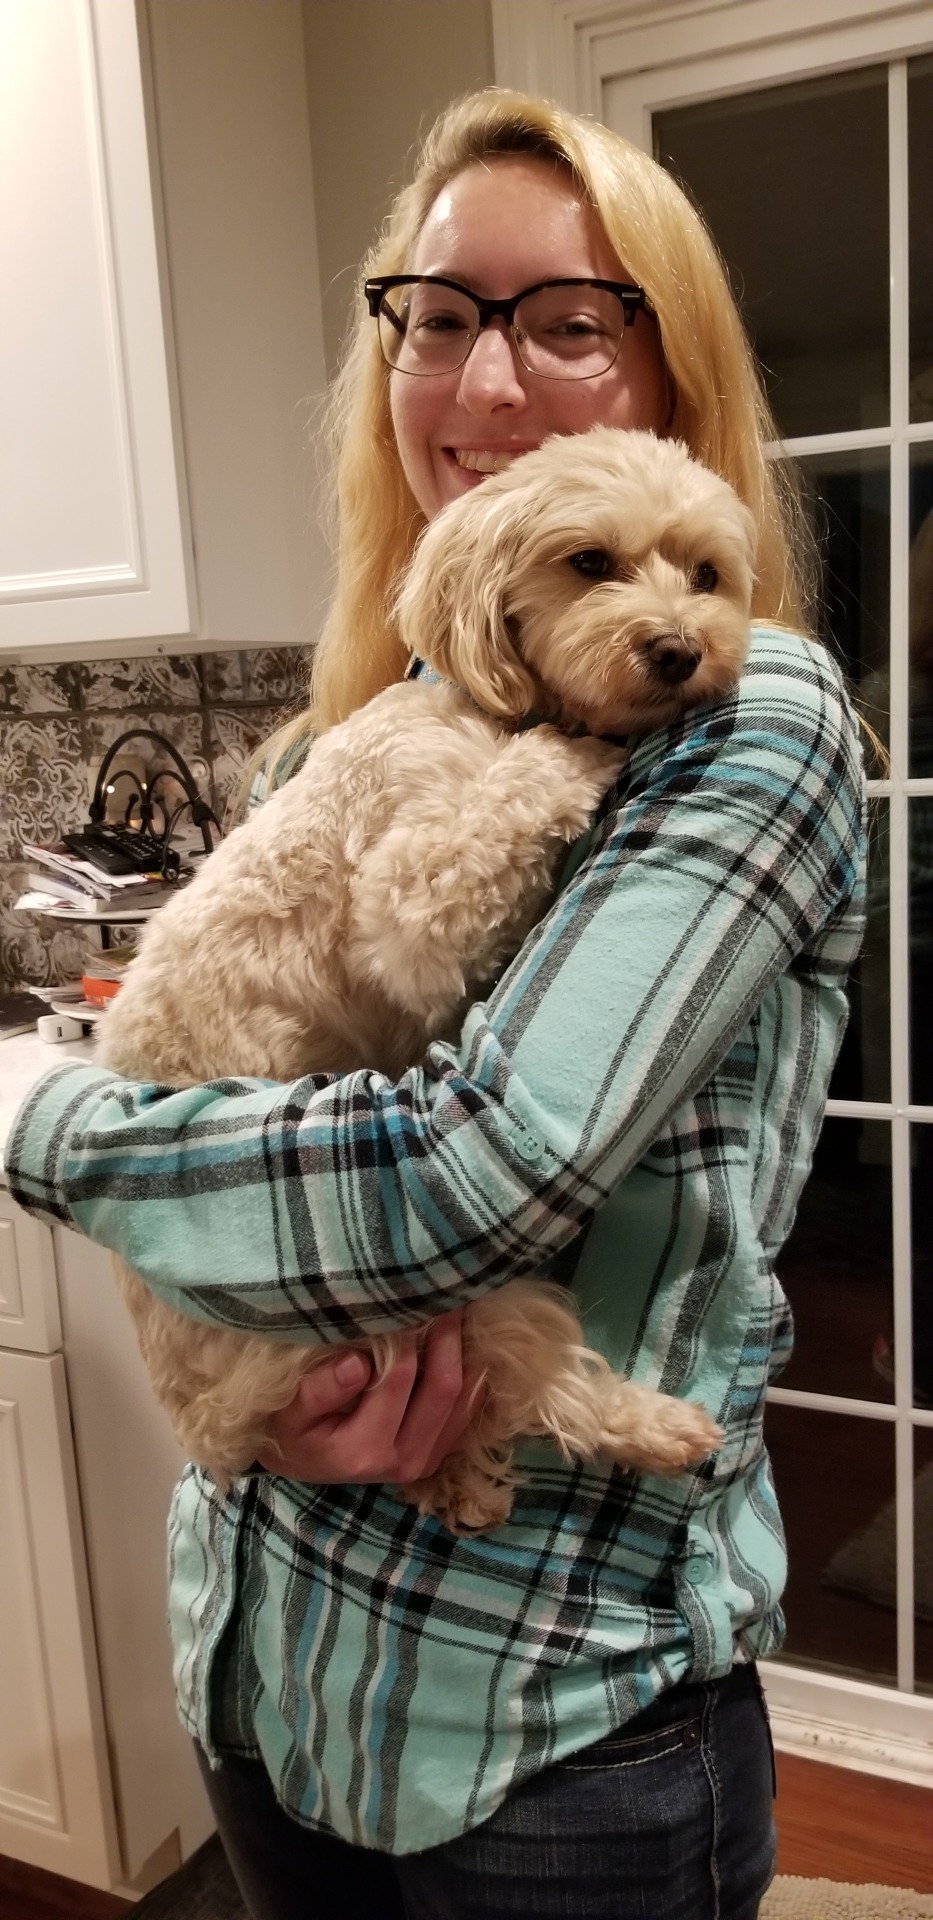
{"x": 563, "y": 333}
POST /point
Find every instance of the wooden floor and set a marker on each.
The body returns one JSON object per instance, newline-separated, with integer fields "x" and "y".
{"x": 27, "y": 1894}
{"x": 832, "y": 1825}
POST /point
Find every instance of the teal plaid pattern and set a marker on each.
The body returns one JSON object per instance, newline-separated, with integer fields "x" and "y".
{"x": 635, "y": 1106}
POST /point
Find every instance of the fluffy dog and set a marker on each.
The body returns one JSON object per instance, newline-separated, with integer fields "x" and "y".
{"x": 601, "y": 583}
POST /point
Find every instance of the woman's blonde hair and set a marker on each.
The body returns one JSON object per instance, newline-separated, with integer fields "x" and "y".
{"x": 719, "y": 408}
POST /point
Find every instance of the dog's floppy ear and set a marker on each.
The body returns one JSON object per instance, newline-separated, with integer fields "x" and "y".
{"x": 452, "y": 603}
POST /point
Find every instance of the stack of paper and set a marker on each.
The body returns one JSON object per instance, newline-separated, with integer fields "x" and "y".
{"x": 58, "y": 879}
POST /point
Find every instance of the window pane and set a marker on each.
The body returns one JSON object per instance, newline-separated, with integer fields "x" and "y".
{"x": 920, "y": 149}
{"x": 921, "y": 1221}
{"x": 923, "y": 1557}
{"x": 920, "y": 643}
{"x": 863, "y": 1069}
{"x": 834, "y": 1477}
{"x": 793, "y": 182}
{"x": 920, "y": 844}
{"x": 836, "y": 1267}
{"x": 848, "y": 497}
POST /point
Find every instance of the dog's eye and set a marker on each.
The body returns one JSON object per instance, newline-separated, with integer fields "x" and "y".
{"x": 704, "y": 578}
{"x": 592, "y": 562}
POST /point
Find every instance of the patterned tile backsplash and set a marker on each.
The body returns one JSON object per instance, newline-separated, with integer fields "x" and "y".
{"x": 56, "y": 723}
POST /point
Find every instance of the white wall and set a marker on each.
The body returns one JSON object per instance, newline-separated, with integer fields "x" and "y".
{"x": 231, "y": 126}
{"x": 378, "y": 71}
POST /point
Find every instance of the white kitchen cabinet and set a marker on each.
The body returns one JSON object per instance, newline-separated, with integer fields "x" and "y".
{"x": 161, "y": 334}
{"x": 97, "y": 1779}
{"x": 93, "y": 533}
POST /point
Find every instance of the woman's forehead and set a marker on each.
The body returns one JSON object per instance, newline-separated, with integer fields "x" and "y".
{"x": 513, "y": 218}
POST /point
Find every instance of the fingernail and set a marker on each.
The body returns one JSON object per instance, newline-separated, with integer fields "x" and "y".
{"x": 352, "y": 1370}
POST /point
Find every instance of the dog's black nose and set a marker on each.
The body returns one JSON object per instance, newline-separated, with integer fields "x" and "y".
{"x": 673, "y": 657}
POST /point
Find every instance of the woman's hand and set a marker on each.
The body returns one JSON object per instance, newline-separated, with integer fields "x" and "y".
{"x": 343, "y": 1425}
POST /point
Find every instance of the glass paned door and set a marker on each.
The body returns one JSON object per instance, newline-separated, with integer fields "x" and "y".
{"x": 819, "y": 193}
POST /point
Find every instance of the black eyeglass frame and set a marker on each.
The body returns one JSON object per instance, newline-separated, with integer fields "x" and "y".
{"x": 632, "y": 300}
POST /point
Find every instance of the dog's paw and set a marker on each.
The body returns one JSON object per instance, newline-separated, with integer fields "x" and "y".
{"x": 463, "y": 1509}
{"x": 658, "y": 1434}
{"x": 601, "y": 760}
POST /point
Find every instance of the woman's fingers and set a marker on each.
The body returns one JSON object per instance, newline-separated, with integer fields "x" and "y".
{"x": 438, "y": 1408}
{"x": 464, "y": 1411}
{"x": 323, "y": 1396}
{"x": 345, "y": 1426}
{"x": 365, "y": 1444}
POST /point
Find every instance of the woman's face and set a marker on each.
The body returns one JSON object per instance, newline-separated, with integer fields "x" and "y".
{"x": 498, "y": 227}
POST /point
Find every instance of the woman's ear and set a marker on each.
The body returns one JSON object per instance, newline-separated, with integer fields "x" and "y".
{"x": 452, "y": 603}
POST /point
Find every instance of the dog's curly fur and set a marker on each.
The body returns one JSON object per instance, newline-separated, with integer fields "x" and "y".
{"x": 604, "y": 582}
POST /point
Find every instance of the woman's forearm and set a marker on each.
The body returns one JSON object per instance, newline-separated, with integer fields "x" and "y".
{"x": 356, "y": 1204}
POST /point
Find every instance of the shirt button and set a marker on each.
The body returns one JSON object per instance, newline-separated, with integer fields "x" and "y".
{"x": 528, "y": 1144}
{"x": 697, "y": 1571}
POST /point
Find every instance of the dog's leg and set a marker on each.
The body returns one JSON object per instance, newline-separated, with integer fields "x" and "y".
{"x": 542, "y": 1382}
{"x": 446, "y": 897}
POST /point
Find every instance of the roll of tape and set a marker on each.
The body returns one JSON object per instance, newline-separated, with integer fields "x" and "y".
{"x": 59, "y": 1026}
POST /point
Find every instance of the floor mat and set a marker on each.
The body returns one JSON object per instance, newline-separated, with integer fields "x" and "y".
{"x": 793, "y": 1899}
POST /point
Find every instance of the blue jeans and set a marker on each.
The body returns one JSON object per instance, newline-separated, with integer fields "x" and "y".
{"x": 670, "y": 1819}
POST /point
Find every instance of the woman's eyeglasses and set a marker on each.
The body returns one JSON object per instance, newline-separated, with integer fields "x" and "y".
{"x": 562, "y": 329}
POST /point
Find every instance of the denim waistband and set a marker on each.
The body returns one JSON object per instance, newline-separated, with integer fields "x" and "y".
{"x": 687, "y": 1699}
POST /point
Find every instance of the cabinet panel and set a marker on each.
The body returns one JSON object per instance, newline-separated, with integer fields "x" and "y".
{"x": 125, "y": 1494}
{"x": 92, "y": 539}
{"x": 29, "y": 1314}
{"x": 55, "y": 1793}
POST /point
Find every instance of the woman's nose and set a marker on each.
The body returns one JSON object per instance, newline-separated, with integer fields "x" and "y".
{"x": 492, "y": 374}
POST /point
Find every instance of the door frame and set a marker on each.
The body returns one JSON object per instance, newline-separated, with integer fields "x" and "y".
{"x": 572, "y": 50}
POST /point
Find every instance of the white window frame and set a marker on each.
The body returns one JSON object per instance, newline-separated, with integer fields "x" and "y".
{"x": 623, "y": 61}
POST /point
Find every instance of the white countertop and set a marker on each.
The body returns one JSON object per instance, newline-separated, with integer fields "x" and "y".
{"x": 23, "y": 1061}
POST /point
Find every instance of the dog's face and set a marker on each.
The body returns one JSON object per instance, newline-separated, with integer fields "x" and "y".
{"x": 605, "y": 578}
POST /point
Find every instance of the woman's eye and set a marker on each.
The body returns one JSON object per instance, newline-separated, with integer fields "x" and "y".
{"x": 437, "y": 323}
{"x": 577, "y": 326}
{"x": 592, "y": 562}
{"x": 704, "y": 578}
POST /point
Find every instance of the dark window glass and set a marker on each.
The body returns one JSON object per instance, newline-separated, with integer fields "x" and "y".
{"x": 920, "y": 150}
{"x": 836, "y": 1268}
{"x": 923, "y": 1557}
{"x": 920, "y": 881}
{"x": 920, "y": 619}
{"x": 848, "y": 500}
{"x": 921, "y": 1221}
{"x": 863, "y": 1068}
{"x": 793, "y": 182}
{"x": 834, "y": 1476}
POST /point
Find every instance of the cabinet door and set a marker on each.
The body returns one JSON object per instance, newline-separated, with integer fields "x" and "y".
{"x": 92, "y": 535}
{"x": 56, "y": 1807}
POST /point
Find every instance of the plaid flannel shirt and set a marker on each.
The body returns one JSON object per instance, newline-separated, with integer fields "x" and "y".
{"x": 638, "y": 1100}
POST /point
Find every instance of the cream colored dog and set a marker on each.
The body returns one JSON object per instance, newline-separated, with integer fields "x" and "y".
{"x": 602, "y": 581}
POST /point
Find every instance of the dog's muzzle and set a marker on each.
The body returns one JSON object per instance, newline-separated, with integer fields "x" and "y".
{"x": 673, "y": 657}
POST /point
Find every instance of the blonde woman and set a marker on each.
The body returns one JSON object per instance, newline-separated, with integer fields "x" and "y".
{"x": 562, "y": 1717}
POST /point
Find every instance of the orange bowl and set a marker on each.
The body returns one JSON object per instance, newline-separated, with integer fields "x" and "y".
{"x": 98, "y": 992}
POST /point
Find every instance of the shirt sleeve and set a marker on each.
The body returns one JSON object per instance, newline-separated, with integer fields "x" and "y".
{"x": 354, "y": 1204}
